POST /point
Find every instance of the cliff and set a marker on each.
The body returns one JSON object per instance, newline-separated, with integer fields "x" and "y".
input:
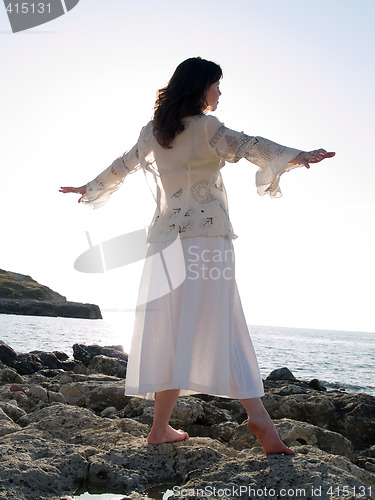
{"x": 21, "y": 294}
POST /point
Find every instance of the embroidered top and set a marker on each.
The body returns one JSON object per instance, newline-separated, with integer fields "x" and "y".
{"x": 190, "y": 194}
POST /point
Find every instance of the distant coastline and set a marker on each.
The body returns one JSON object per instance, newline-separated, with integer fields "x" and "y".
{"x": 21, "y": 294}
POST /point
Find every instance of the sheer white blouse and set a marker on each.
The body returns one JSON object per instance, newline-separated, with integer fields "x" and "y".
{"x": 190, "y": 194}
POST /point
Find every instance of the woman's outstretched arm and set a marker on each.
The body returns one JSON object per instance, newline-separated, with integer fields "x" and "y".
{"x": 272, "y": 159}
{"x": 97, "y": 192}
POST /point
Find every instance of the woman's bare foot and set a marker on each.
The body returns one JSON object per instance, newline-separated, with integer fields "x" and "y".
{"x": 262, "y": 426}
{"x": 167, "y": 435}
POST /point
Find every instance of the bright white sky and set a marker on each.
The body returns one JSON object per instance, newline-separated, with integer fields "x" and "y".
{"x": 76, "y": 91}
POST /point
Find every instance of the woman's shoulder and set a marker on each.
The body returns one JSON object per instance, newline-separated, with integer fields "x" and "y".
{"x": 202, "y": 118}
{"x": 208, "y": 123}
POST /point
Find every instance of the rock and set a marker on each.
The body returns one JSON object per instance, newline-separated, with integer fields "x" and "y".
{"x": 296, "y": 433}
{"x": 140, "y": 409}
{"x": 86, "y": 353}
{"x": 316, "y": 384}
{"x": 27, "y": 363}
{"x": 18, "y": 399}
{"x": 39, "y": 393}
{"x": 36, "y": 468}
{"x": 73, "y": 394}
{"x": 7, "y": 355}
{"x": 281, "y": 477}
{"x": 108, "y": 412}
{"x": 292, "y": 388}
{"x": 68, "y": 365}
{"x": 109, "y": 366}
{"x": 12, "y": 410}
{"x": 63, "y": 429}
{"x": 75, "y": 425}
{"x": 222, "y": 408}
{"x": 310, "y": 407}
{"x": 56, "y": 397}
{"x": 352, "y": 415}
{"x": 79, "y": 368}
{"x": 7, "y": 426}
{"x": 47, "y": 359}
{"x": 223, "y": 431}
{"x": 96, "y": 397}
{"x": 9, "y": 376}
{"x": 186, "y": 411}
{"x": 358, "y": 424}
{"x": 61, "y": 356}
{"x": 106, "y": 395}
{"x": 212, "y": 414}
{"x": 281, "y": 374}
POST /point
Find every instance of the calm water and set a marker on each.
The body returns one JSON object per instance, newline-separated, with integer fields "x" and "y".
{"x": 338, "y": 359}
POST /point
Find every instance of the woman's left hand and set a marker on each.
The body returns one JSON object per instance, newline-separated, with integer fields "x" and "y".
{"x": 315, "y": 156}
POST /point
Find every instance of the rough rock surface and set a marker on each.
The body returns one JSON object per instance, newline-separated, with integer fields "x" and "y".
{"x": 61, "y": 430}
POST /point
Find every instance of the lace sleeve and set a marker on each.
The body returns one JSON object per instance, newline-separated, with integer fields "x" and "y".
{"x": 100, "y": 189}
{"x": 271, "y": 158}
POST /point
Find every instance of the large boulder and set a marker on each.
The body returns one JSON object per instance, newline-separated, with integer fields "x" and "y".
{"x": 281, "y": 374}
{"x": 95, "y": 395}
{"x": 27, "y": 363}
{"x": 109, "y": 366}
{"x": 294, "y": 433}
{"x": 352, "y": 415}
{"x": 86, "y": 353}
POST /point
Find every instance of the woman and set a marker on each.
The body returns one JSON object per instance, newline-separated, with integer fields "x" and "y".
{"x": 194, "y": 339}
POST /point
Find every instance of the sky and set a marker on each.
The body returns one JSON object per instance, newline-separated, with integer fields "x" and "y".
{"x": 76, "y": 91}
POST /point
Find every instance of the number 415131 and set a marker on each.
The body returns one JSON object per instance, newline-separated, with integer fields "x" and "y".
{"x": 29, "y": 8}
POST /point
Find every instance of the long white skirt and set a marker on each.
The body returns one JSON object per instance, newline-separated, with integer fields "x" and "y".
{"x": 190, "y": 331}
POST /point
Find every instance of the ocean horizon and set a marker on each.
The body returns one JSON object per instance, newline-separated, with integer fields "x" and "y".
{"x": 340, "y": 360}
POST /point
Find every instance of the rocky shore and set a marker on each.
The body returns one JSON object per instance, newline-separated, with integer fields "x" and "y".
{"x": 66, "y": 424}
{"x": 20, "y": 294}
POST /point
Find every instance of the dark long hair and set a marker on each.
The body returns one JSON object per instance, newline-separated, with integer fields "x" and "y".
{"x": 183, "y": 96}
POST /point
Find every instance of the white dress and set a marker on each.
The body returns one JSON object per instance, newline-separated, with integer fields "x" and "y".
{"x": 190, "y": 332}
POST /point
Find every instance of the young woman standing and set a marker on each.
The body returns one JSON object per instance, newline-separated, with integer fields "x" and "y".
{"x": 194, "y": 339}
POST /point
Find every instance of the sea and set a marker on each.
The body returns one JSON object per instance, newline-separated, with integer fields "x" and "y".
{"x": 340, "y": 360}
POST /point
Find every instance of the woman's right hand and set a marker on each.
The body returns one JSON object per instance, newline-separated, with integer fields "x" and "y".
{"x": 80, "y": 190}
{"x": 307, "y": 157}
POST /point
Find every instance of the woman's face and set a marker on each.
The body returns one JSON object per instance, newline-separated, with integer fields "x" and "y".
{"x": 212, "y": 96}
